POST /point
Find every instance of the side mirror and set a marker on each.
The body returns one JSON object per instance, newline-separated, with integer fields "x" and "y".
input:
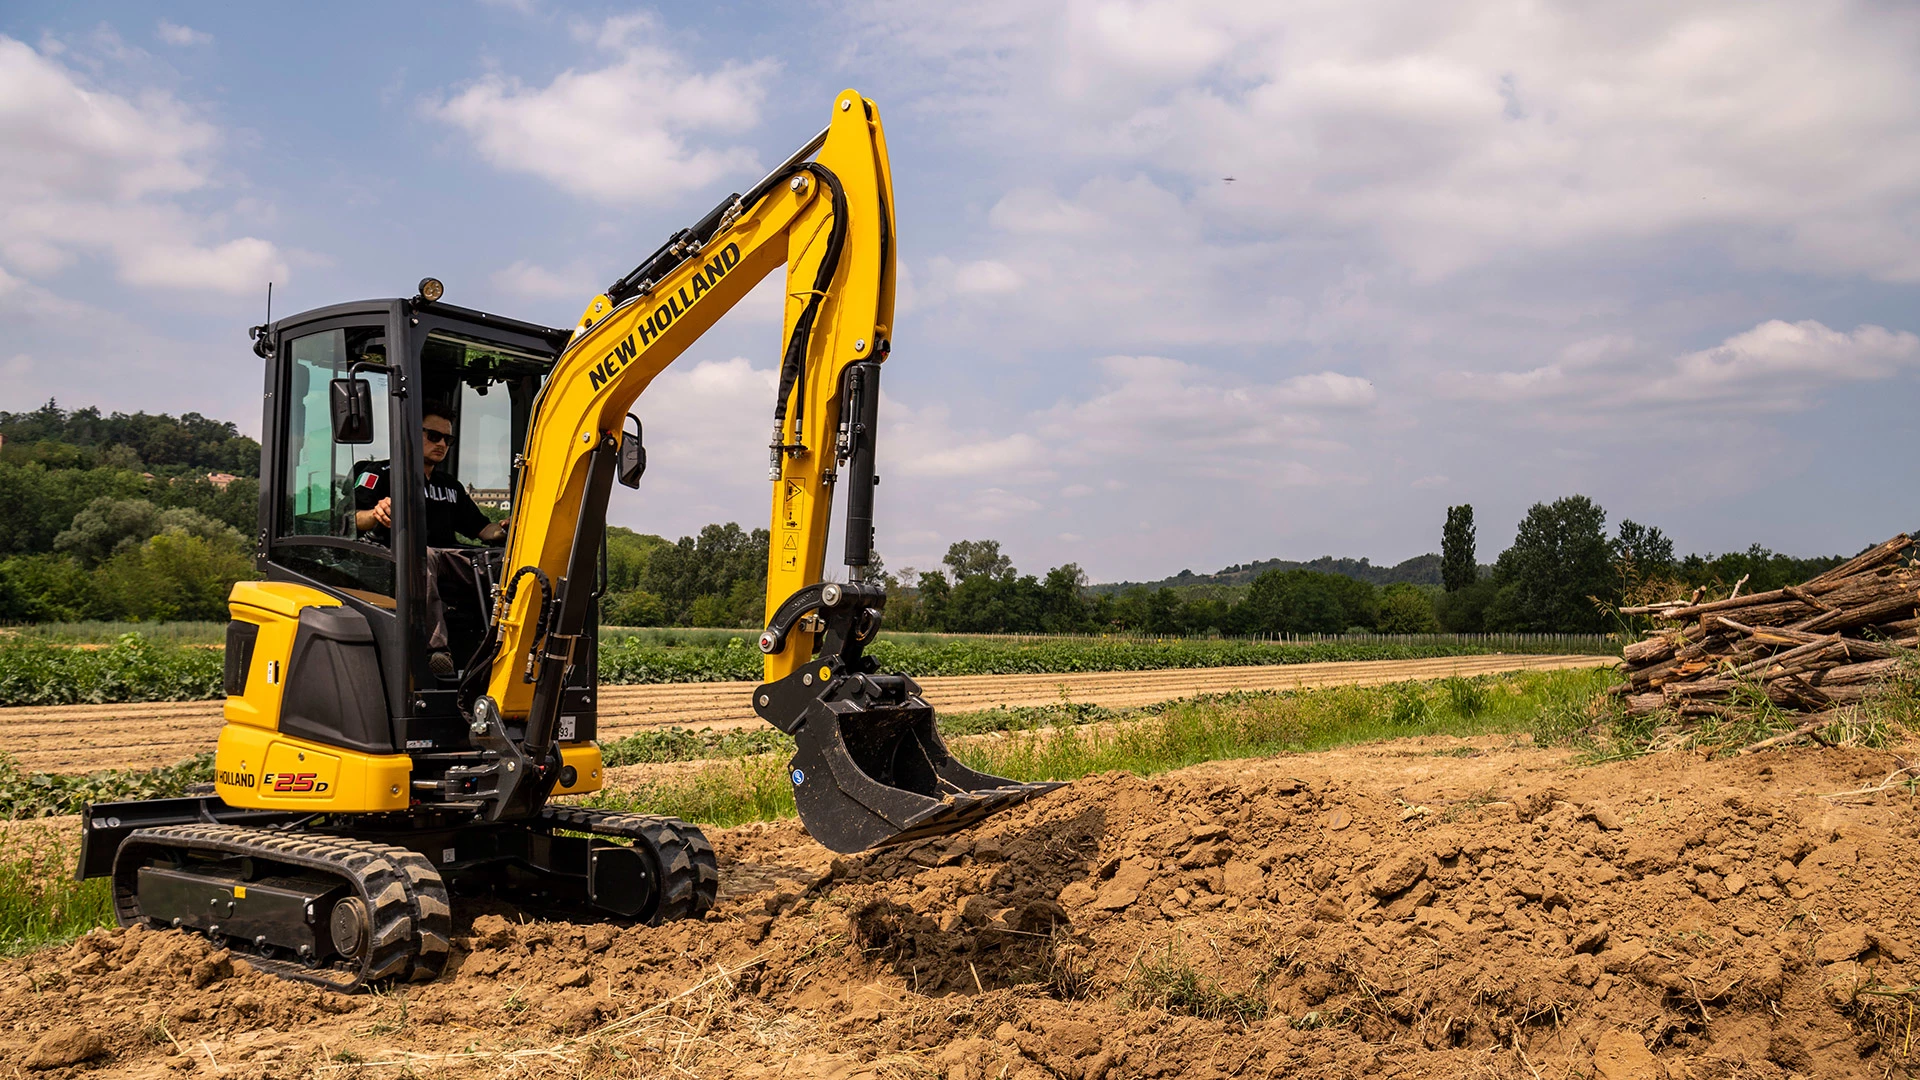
{"x": 352, "y": 406}
{"x": 633, "y": 455}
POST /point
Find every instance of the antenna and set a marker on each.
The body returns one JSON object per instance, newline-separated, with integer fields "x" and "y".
{"x": 262, "y": 343}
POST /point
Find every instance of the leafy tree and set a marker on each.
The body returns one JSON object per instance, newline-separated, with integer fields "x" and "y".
{"x": 1465, "y": 611}
{"x": 967, "y": 559}
{"x": 627, "y": 555}
{"x": 173, "y": 575}
{"x": 40, "y": 502}
{"x": 1646, "y": 550}
{"x": 934, "y": 594}
{"x": 1459, "y": 555}
{"x": 1305, "y": 602}
{"x": 711, "y": 566}
{"x": 45, "y": 588}
{"x": 1560, "y": 558}
{"x": 110, "y": 526}
{"x": 1406, "y": 609}
{"x": 1764, "y": 570}
{"x": 635, "y": 607}
{"x": 164, "y": 443}
{"x": 1061, "y": 609}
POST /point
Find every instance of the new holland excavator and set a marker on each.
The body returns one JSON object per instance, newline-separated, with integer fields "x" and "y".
{"x": 359, "y": 787}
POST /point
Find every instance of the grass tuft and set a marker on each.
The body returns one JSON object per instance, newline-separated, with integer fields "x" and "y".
{"x": 1172, "y": 983}
{"x": 40, "y": 902}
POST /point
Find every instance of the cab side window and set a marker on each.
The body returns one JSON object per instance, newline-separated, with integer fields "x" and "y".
{"x": 317, "y": 496}
{"x": 314, "y": 530}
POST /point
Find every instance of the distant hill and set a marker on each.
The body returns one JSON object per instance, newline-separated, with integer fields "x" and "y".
{"x": 1419, "y": 570}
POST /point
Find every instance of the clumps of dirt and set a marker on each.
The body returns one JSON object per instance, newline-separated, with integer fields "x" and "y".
{"x": 1421, "y": 908}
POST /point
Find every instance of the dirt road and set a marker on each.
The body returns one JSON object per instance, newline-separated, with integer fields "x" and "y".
{"x": 1422, "y": 908}
{"x": 83, "y": 738}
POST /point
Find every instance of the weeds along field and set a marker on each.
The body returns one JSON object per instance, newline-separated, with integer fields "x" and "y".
{"x": 65, "y": 666}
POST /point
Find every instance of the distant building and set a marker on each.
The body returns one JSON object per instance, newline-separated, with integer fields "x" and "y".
{"x": 492, "y": 498}
{"x": 221, "y": 479}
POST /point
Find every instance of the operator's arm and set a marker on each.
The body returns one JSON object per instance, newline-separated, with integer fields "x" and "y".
{"x": 470, "y": 520}
{"x": 373, "y": 509}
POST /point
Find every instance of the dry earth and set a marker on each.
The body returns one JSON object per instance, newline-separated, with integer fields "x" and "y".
{"x": 83, "y": 738}
{"x": 1424, "y": 908}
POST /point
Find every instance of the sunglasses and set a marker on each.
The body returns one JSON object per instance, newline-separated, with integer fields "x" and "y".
{"x": 437, "y": 436}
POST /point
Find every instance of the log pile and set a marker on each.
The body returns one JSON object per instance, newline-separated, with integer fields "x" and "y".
{"x": 1831, "y": 641}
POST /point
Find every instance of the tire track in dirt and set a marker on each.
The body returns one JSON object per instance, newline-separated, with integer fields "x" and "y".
{"x": 84, "y": 738}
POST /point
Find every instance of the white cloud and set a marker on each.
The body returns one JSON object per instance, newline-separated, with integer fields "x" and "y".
{"x": 175, "y": 34}
{"x": 1469, "y": 134}
{"x": 924, "y": 442}
{"x": 1191, "y": 421}
{"x": 1775, "y": 366}
{"x": 645, "y": 126}
{"x": 523, "y": 278}
{"x": 91, "y": 172}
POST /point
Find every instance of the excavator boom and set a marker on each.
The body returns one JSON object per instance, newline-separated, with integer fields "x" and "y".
{"x": 877, "y": 760}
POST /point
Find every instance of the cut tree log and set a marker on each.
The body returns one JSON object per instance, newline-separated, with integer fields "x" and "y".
{"x": 1833, "y": 640}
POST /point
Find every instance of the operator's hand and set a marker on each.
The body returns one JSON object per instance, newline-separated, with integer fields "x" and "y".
{"x": 381, "y": 516}
{"x": 495, "y": 533}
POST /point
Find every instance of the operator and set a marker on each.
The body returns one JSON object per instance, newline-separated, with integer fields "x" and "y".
{"x": 450, "y": 511}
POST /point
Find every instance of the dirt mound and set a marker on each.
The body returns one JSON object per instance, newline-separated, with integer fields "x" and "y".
{"x": 1432, "y": 907}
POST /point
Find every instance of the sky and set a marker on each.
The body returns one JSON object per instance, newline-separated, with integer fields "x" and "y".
{"x": 1182, "y": 284}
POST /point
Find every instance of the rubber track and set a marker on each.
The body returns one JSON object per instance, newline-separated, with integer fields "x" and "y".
{"x": 690, "y": 874}
{"x": 411, "y": 922}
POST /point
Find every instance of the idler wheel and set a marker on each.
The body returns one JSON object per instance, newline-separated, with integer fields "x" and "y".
{"x": 348, "y": 924}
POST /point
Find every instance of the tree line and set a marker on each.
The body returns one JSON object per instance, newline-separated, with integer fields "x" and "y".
{"x": 113, "y": 517}
{"x": 1564, "y": 572}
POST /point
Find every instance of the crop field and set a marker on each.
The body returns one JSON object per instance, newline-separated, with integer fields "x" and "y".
{"x": 67, "y": 669}
{"x": 85, "y": 738}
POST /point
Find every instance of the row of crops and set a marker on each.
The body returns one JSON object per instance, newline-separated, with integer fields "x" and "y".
{"x": 137, "y": 668}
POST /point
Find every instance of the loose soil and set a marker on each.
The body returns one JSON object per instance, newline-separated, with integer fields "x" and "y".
{"x": 87, "y": 738}
{"x": 1424, "y": 908}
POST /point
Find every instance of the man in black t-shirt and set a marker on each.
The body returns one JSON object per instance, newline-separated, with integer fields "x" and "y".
{"x": 450, "y": 513}
{"x": 450, "y": 509}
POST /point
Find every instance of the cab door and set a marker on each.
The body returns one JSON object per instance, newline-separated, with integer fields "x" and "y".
{"x": 341, "y": 591}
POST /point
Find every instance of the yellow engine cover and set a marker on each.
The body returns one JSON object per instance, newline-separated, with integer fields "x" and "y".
{"x": 271, "y": 771}
{"x": 255, "y": 765}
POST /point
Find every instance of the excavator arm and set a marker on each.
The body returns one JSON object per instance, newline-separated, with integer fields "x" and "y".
{"x": 870, "y": 768}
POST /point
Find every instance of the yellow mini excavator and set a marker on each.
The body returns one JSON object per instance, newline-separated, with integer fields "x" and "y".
{"x": 401, "y": 711}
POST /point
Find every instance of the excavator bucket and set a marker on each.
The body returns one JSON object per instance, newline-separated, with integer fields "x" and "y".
{"x": 871, "y": 770}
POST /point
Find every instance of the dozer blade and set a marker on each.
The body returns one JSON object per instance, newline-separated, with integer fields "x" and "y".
{"x": 871, "y": 770}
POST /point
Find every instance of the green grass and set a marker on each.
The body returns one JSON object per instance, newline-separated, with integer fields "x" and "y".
{"x": 40, "y": 903}
{"x": 1168, "y": 980}
{"x": 96, "y": 632}
{"x": 634, "y": 659}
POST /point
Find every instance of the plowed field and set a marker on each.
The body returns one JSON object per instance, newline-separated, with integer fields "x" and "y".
{"x": 1426, "y": 908}
{"x": 84, "y": 738}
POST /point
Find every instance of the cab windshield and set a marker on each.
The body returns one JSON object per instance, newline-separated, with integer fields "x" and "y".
{"x": 487, "y": 391}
